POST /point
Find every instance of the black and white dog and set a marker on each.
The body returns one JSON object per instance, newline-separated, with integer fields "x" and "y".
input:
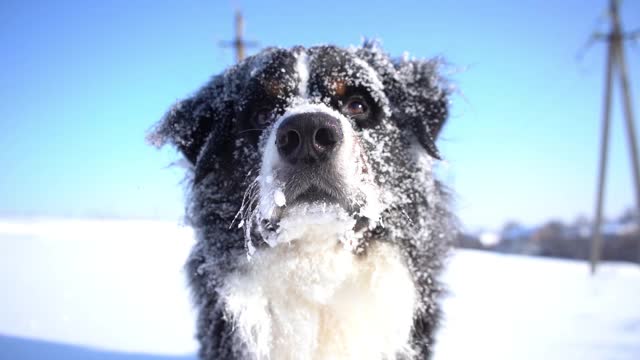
{"x": 320, "y": 227}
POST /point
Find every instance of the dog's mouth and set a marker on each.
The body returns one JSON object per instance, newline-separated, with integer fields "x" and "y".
{"x": 313, "y": 217}
{"x": 315, "y": 195}
{"x": 321, "y": 195}
{"x": 272, "y": 225}
{"x": 295, "y": 200}
{"x": 317, "y": 206}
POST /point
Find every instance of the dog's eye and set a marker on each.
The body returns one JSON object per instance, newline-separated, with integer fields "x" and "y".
{"x": 356, "y": 107}
{"x": 262, "y": 118}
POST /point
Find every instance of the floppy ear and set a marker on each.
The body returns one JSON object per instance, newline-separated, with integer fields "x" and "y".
{"x": 196, "y": 121}
{"x": 424, "y": 101}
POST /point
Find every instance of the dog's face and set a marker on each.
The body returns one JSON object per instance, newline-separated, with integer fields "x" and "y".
{"x": 297, "y": 138}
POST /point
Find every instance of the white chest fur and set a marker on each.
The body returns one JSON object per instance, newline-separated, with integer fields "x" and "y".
{"x": 312, "y": 299}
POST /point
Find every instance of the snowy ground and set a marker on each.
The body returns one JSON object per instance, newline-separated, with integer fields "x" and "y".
{"x": 513, "y": 307}
{"x": 118, "y": 286}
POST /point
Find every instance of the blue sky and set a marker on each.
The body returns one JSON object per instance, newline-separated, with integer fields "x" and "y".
{"x": 81, "y": 82}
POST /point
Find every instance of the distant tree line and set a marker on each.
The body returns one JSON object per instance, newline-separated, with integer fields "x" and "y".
{"x": 556, "y": 239}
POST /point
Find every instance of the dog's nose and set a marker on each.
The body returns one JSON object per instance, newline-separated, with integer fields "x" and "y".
{"x": 308, "y": 137}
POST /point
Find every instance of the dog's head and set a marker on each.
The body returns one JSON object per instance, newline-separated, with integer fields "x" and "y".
{"x": 292, "y": 138}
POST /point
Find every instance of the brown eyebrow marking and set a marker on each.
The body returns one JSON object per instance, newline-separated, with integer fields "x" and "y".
{"x": 274, "y": 88}
{"x": 339, "y": 87}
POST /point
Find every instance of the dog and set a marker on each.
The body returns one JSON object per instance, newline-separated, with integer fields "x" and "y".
{"x": 321, "y": 229}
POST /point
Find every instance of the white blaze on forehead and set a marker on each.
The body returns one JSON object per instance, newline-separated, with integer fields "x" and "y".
{"x": 302, "y": 68}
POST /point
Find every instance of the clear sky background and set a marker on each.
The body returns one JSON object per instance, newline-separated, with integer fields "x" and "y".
{"x": 82, "y": 81}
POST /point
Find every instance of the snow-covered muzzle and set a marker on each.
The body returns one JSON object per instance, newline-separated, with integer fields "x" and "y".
{"x": 311, "y": 190}
{"x": 302, "y": 183}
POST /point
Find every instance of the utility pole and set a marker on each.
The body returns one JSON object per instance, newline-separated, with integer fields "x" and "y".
{"x": 239, "y": 44}
{"x": 615, "y": 61}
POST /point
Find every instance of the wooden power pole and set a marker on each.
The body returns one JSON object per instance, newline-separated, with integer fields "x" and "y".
{"x": 239, "y": 44}
{"x": 615, "y": 64}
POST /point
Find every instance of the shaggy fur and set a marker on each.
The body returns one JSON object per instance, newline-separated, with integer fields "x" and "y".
{"x": 336, "y": 258}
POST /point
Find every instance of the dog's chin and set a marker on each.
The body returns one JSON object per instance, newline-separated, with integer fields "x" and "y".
{"x": 315, "y": 198}
{"x": 314, "y": 214}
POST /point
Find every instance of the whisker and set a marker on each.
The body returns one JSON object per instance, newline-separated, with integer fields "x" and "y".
{"x": 247, "y": 194}
{"x": 248, "y": 130}
{"x": 249, "y": 209}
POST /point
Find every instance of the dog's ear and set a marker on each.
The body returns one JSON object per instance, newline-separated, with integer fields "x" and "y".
{"x": 424, "y": 100}
{"x": 196, "y": 121}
